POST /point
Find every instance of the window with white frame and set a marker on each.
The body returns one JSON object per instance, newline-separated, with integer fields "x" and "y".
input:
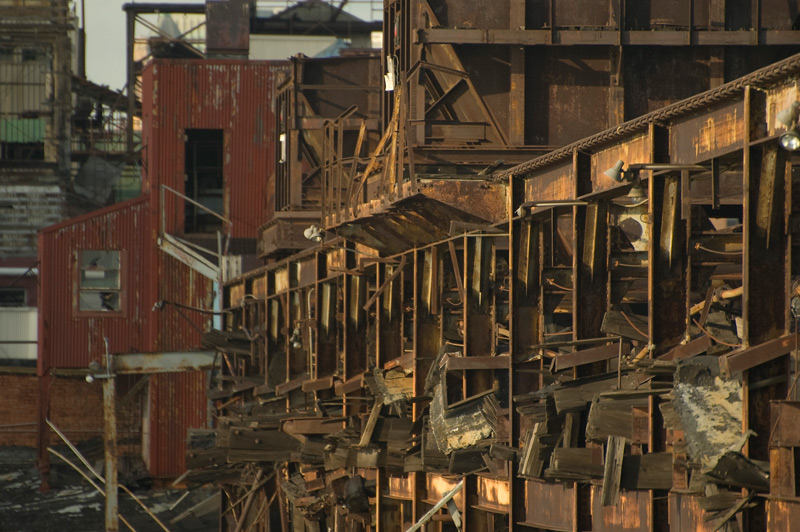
{"x": 99, "y": 283}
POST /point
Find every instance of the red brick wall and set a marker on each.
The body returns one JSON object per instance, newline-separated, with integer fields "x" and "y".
{"x": 76, "y": 409}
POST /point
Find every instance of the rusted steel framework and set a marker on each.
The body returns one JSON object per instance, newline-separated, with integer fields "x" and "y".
{"x": 322, "y": 100}
{"x": 477, "y": 88}
{"x": 617, "y": 351}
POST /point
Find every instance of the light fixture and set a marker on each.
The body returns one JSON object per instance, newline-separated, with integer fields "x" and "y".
{"x": 788, "y": 116}
{"x": 313, "y": 233}
{"x": 296, "y": 339}
{"x": 615, "y": 172}
{"x": 789, "y": 141}
{"x": 96, "y": 372}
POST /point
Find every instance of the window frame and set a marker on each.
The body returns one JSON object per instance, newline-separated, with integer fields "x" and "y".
{"x": 80, "y": 289}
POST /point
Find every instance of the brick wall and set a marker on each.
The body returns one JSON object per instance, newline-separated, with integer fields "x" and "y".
{"x": 76, "y": 409}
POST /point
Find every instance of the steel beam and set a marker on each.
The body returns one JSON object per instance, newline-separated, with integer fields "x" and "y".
{"x": 170, "y": 362}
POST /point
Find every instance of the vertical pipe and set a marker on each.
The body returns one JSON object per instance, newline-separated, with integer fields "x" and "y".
{"x": 110, "y": 437}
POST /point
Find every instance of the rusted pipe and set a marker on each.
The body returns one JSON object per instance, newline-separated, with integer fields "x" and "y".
{"x": 719, "y": 295}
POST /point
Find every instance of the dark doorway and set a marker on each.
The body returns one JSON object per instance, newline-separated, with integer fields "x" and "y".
{"x": 204, "y": 179}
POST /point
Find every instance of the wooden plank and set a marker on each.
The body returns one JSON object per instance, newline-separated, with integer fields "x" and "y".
{"x": 587, "y": 356}
{"x": 351, "y": 385}
{"x": 744, "y": 359}
{"x": 323, "y": 383}
{"x": 585, "y": 461}
{"x": 289, "y": 386}
{"x": 612, "y": 475}
{"x": 688, "y": 350}
{"x": 647, "y": 472}
{"x": 316, "y": 425}
{"x": 374, "y": 414}
{"x": 478, "y": 363}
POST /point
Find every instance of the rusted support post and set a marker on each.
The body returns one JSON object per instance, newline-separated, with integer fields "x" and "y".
{"x": 43, "y": 433}
{"x": 110, "y": 440}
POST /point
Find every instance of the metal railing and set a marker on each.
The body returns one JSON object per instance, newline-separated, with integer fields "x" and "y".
{"x": 386, "y": 170}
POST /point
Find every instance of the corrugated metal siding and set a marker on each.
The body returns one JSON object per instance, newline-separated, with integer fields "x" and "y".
{"x": 179, "y": 329}
{"x": 235, "y": 96}
{"x": 177, "y": 402}
{"x": 68, "y": 339}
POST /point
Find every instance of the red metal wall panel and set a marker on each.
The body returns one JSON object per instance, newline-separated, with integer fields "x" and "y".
{"x": 234, "y": 96}
{"x": 69, "y": 339}
{"x": 179, "y": 328}
{"x": 177, "y": 403}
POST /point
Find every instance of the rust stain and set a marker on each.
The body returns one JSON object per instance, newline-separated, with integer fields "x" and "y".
{"x": 633, "y": 151}
{"x": 437, "y": 487}
{"x": 494, "y": 493}
{"x": 556, "y": 184}
{"x": 719, "y": 132}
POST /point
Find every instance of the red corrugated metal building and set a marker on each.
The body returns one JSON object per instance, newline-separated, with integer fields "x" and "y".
{"x": 233, "y": 96}
{"x": 103, "y": 274}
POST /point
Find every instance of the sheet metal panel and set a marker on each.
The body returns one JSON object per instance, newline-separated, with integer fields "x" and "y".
{"x": 234, "y": 96}
{"x": 69, "y": 339}
{"x": 711, "y": 134}
{"x": 180, "y": 328}
{"x": 781, "y": 514}
{"x": 632, "y": 151}
{"x": 493, "y": 494}
{"x": 685, "y": 514}
{"x": 437, "y": 486}
{"x": 556, "y": 183}
{"x": 567, "y": 91}
{"x": 550, "y": 506}
{"x": 631, "y": 514}
{"x": 177, "y": 403}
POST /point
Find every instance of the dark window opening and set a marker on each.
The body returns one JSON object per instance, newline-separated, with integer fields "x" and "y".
{"x": 22, "y": 151}
{"x": 12, "y": 297}
{"x": 204, "y": 179}
{"x": 32, "y": 54}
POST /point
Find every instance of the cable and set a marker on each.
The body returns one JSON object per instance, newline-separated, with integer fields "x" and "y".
{"x": 552, "y": 282}
{"x": 704, "y": 331}
{"x": 637, "y": 329}
{"x": 716, "y": 252}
